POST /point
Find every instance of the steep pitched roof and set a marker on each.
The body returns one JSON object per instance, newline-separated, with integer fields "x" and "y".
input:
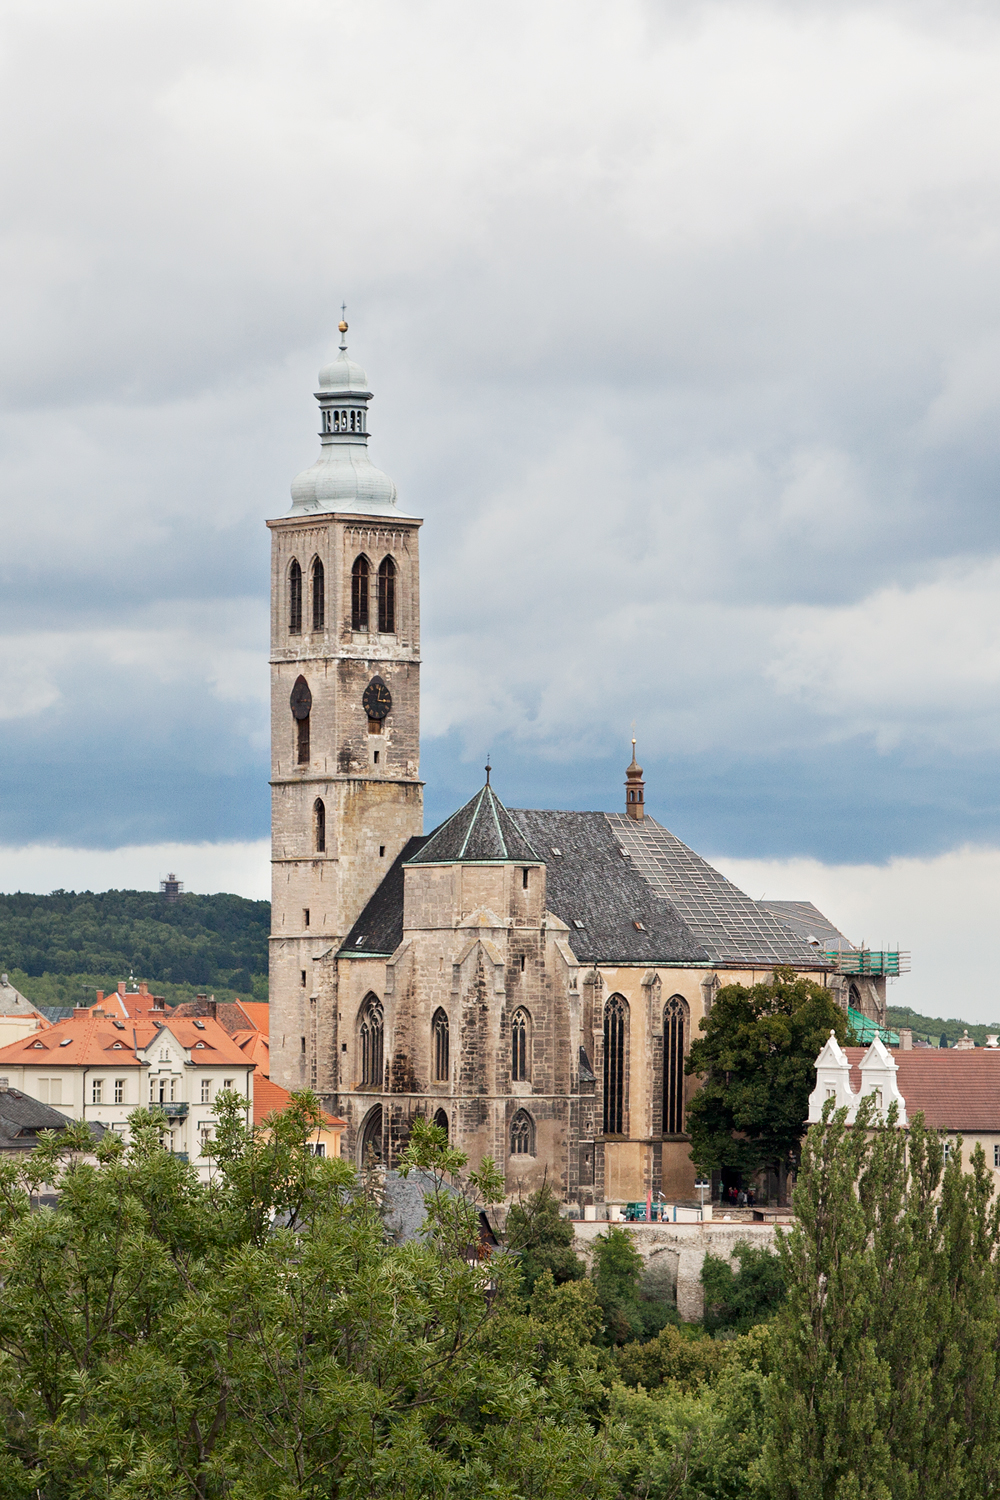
{"x": 80, "y": 1041}
{"x": 612, "y": 914}
{"x": 270, "y": 1098}
{"x": 229, "y": 1013}
{"x": 954, "y": 1090}
{"x": 807, "y": 921}
{"x": 481, "y": 832}
{"x": 12, "y": 1002}
{"x": 22, "y": 1117}
{"x": 734, "y": 928}
{"x": 204, "y": 1038}
{"x": 257, "y": 1012}
{"x": 379, "y": 929}
{"x": 254, "y": 1046}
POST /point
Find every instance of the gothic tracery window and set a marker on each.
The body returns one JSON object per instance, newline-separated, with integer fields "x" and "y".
{"x": 675, "y": 1024}
{"x": 519, "y": 1046}
{"x": 372, "y": 1041}
{"x": 295, "y": 598}
{"x": 319, "y": 595}
{"x": 359, "y": 594}
{"x": 387, "y": 597}
{"x": 615, "y": 1035}
{"x": 522, "y": 1134}
{"x": 439, "y": 1029}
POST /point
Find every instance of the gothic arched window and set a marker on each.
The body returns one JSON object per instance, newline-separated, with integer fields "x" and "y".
{"x": 370, "y": 1137}
{"x": 371, "y": 1037}
{"x": 439, "y": 1031}
{"x": 675, "y": 1022}
{"x": 519, "y": 1046}
{"x": 387, "y": 597}
{"x": 295, "y": 599}
{"x": 615, "y": 1037}
{"x": 522, "y": 1134}
{"x": 319, "y": 595}
{"x": 301, "y": 705}
{"x": 319, "y": 825}
{"x": 441, "y": 1120}
{"x": 359, "y": 594}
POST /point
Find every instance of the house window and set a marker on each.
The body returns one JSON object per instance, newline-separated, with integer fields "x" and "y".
{"x": 371, "y": 1038}
{"x": 519, "y": 1046}
{"x": 831, "y": 1092}
{"x": 228, "y": 1083}
{"x": 97, "y": 1092}
{"x": 359, "y": 594}
{"x": 947, "y": 1151}
{"x": 522, "y": 1134}
{"x": 319, "y": 825}
{"x": 206, "y": 1091}
{"x": 319, "y": 595}
{"x": 996, "y": 1156}
{"x": 119, "y": 1091}
{"x": 675, "y": 1018}
{"x": 440, "y": 1032}
{"x": 387, "y": 597}
{"x": 205, "y": 1136}
{"x": 316, "y": 1148}
{"x": 615, "y": 1031}
{"x": 294, "y": 599}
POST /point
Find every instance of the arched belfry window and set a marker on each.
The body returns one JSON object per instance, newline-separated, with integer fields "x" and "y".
{"x": 675, "y": 1032}
{"x": 441, "y": 1120}
{"x": 387, "y": 597}
{"x": 319, "y": 826}
{"x": 439, "y": 1031}
{"x": 519, "y": 1027}
{"x": 615, "y": 1041}
{"x": 301, "y": 705}
{"x": 371, "y": 1037}
{"x": 294, "y": 598}
{"x": 522, "y": 1134}
{"x": 319, "y": 595}
{"x": 359, "y": 593}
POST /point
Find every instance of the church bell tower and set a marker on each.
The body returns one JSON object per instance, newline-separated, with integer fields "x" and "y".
{"x": 345, "y": 716}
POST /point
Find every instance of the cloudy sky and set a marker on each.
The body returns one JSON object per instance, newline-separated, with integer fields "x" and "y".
{"x": 683, "y": 321}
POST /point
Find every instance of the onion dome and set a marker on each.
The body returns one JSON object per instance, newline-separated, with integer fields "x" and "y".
{"x": 343, "y": 478}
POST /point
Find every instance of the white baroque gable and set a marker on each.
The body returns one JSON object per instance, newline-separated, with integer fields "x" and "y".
{"x": 878, "y": 1077}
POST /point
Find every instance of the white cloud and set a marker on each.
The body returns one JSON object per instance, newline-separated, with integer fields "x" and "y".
{"x": 943, "y": 910}
{"x": 242, "y": 869}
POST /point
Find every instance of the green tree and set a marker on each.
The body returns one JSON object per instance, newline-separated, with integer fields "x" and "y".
{"x": 543, "y": 1240}
{"x": 757, "y": 1065}
{"x": 259, "y": 1337}
{"x": 886, "y": 1377}
{"x": 739, "y": 1299}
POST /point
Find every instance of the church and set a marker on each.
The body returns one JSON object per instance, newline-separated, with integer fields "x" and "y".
{"x": 529, "y": 979}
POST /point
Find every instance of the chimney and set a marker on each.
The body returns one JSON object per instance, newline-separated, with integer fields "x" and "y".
{"x": 121, "y": 988}
{"x": 79, "y": 1011}
{"x": 143, "y": 988}
{"x": 4, "y": 980}
{"x": 100, "y": 996}
{"x": 905, "y": 1039}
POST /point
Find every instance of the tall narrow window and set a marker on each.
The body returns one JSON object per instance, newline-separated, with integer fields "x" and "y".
{"x": 319, "y": 825}
{"x": 441, "y": 1120}
{"x": 302, "y": 740}
{"x": 300, "y": 702}
{"x": 372, "y": 1034}
{"x": 614, "y": 1065}
{"x": 522, "y": 1134}
{"x": 319, "y": 595}
{"x": 295, "y": 599}
{"x": 440, "y": 1031}
{"x": 519, "y": 1046}
{"x": 359, "y": 594}
{"x": 387, "y": 597}
{"x": 675, "y": 1018}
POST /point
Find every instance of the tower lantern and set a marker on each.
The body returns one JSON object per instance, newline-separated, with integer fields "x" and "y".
{"x": 634, "y": 785}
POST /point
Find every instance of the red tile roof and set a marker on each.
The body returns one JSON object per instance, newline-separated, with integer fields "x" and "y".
{"x": 257, "y": 1013}
{"x": 957, "y": 1091}
{"x": 254, "y": 1045}
{"x": 95, "y": 1041}
{"x": 270, "y": 1098}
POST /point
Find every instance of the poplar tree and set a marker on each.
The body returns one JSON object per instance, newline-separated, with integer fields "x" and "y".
{"x": 886, "y": 1350}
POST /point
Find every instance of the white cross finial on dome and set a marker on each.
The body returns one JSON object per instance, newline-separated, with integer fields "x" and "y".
{"x": 342, "y": 325}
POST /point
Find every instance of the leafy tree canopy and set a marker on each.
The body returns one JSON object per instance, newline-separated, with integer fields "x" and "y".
{"x": 543, "y": 1240}
{"x": 757, "y": 1061}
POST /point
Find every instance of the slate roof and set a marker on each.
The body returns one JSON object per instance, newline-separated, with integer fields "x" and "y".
{"x": 20, "y": 1115}
{"x": 734, "y": 928}
{"x": 589, "y": 882}
{"x": 953, "y": 1090}
{"x": 379, "y": 929}
{"x": 808, "y": 921}
{"x": 481, "y": 832}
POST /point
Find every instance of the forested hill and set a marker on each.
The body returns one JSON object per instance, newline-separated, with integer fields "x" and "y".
{"x": 56, "y": 948}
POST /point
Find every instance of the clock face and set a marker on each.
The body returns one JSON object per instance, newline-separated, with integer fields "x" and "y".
{"x": 301, "y": 699}
{"x": 377, "y": 700}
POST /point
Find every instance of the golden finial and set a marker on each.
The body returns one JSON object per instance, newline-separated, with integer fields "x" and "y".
{"x": 341, "y": 327}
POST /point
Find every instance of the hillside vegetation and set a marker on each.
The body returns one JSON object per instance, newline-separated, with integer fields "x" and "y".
{"x": 57, "y": 949}
{"x": 933, "y": 1028}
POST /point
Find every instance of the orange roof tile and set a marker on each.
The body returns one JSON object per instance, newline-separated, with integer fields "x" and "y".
{"x": 90, "y": 1041}
{"x": 257, "y": 1013}
{"x": 270, "y": 1098}
{"x": 254, "y": 1044}
{"x": 201, "y": 1035}
{"x": 953, "y": 1090}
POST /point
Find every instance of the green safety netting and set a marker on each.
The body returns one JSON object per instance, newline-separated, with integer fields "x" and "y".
{"x": 866, "y": 1031}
